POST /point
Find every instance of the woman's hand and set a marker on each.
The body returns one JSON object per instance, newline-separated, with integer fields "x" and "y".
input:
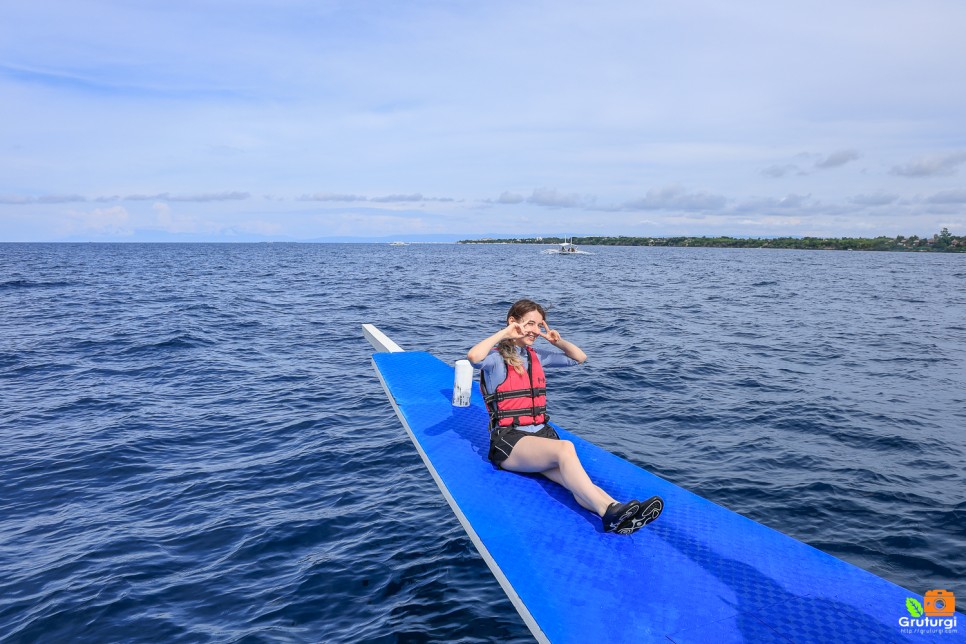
{"x": 513, "y": 331}
{"x": 548, "y": 334}
{"x": 553, "y": 337}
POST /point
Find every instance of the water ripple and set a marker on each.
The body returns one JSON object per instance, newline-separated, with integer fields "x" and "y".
{"x": 196, "y": 448}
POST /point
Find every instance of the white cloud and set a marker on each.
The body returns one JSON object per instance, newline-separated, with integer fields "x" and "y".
{"x": 371, "y": 223}
{"x": 766, "y": 204}
{"x": 398, "y": 198}
{"x": 676, "y": 197}
{"x": 165, "y": 220}
{"x": 948, "y": 197}
{"x": 779, "y": 171}
{"x": 770, "y": 222}
{"x": 15, "y": 200}
{"x": 60, "y": 199}
{"x": 507, "y": 197}
{"x": 553, "y": 198}
{"x": 877, "y": 199}
{"x": 393, "y": 198}
{"x": 935, "y": 166}
{"x": 103, "y": 221}
{"x": 198, "y": 198}
{"x": 837, "y": 159}
{"x": 43, "y": 199}
{"x": 331, "y": 196}
{"x": 179, "y": 223}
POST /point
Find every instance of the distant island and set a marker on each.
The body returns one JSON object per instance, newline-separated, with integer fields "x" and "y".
{"x": 943, "y": 242}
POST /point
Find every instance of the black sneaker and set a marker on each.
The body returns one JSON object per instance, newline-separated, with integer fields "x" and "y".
{"x": 646, "y": 513}
{"x": 618, "y": 514}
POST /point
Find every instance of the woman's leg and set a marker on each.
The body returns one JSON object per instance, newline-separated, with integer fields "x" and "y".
{"x": 555, "y": 476}
{"x": 559, "y": 458}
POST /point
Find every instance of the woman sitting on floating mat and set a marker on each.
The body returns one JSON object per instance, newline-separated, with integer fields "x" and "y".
{"x": 514, "y": 389}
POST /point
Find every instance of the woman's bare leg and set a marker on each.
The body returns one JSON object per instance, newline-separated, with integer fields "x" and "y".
{"x": 555, "y": 476}
{"x": 536, "y": 454}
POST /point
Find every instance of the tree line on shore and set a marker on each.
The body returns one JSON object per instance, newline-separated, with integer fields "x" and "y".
{"x": 940, "y": 242}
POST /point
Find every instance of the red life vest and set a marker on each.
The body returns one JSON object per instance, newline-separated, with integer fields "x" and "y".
{"x": 521, "y": 399}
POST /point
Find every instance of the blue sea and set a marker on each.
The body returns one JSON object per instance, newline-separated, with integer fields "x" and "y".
{"x": 195, "y": 447}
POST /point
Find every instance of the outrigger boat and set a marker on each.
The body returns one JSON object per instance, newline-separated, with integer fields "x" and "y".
{"x": 566, "y": 248}
{"x": 700, "y": 573}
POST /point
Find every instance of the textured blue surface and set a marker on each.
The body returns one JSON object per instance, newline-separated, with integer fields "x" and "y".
{"x": 701, "y": 573}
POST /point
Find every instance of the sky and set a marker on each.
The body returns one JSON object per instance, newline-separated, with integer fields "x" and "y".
{"x": 302, "y": 120}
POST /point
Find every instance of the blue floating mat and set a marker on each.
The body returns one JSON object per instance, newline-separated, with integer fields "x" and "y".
{"x": 699, "y": 574}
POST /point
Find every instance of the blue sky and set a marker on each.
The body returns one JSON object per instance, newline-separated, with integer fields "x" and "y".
{"x": 300, "y": 120}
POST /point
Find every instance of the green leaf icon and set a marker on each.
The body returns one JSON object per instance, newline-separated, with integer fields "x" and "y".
{"x": 913, "y": 606}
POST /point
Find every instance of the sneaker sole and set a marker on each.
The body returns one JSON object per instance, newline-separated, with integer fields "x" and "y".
{"x": 647, "y": 512}
{"x": 629, "y": 513}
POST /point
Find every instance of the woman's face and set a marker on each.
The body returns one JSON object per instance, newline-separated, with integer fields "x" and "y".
{"x": 531, "y": 322}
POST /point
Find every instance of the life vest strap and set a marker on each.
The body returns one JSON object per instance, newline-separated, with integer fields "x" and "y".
{"x": 518, "y": 393}
{"x": 539, "y": 410}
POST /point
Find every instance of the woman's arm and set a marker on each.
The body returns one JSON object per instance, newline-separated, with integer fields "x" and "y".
{"x": 482, "y": 349}
{"x": 570, "y": 349}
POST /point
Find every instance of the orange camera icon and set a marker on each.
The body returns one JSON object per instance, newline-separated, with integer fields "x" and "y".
{"x": 939, "y": 603}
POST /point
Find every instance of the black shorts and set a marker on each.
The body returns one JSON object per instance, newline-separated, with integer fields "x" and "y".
{"x": 503, "y": 439}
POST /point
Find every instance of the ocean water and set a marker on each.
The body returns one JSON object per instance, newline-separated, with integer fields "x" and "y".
{"x": 195, "y": 447}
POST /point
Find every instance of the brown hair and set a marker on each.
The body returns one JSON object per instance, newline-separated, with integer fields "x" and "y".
{"x": 507, "y": 348}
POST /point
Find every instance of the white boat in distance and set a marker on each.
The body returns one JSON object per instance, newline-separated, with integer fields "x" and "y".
{"x": 566, "y": 248}
{"x": 398, "y": 243}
